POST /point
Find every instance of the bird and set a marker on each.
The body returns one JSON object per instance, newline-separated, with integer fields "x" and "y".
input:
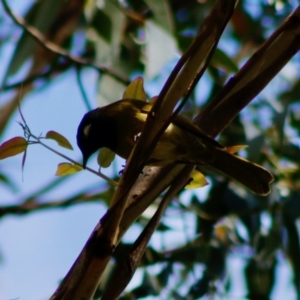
{"x": 116, "y": 126}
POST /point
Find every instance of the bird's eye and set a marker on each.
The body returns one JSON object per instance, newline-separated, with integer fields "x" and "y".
{"x": 86, "y": 130}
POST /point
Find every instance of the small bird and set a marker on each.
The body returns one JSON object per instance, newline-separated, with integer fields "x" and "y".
{"x": 117, "y": 126}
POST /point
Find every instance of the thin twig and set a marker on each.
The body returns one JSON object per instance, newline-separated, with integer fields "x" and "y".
{"x": 81, "y": 87}
{"x": 29, "y": 79}
{"x": 28, "y": 134}
{"x": 40, "y": 38}
{"x": 32, "y": 206}
{"x": 75, "y": 162}
{"x": 51, "y": 71}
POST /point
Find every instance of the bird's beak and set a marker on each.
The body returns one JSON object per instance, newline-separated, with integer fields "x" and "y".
{"x": 84, "y": 162}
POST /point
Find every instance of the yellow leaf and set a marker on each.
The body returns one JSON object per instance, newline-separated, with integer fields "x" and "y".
{"x": 13, "y": 147}
{"x": 135, "y": 90}
{"x": 198, "y": 180}
{"x": 221, "y": 232}
{"x": 64, "y": 169}
{"x": 61, "y": 140}
{"x": 235, "y": 149}
{"x": 105, "y": 157}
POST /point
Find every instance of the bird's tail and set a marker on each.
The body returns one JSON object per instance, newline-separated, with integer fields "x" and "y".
{"x": 252, "y": 176}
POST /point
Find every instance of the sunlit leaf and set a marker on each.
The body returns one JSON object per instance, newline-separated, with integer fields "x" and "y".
{"x": 160, "y": 48}
{"x": 162, "y": 14}
{"x": 105, "y": 157}
{"x": 235, "y": 149}
{"x": 13, "y": 147}
{"x": 198, "y": 180}
{"x": 64, "y": 169}
{"x": 222, "y": 231}
{"x": 61, "y": 140}
{"x": 109, "y": 89}
{"x": 135, "y": 90}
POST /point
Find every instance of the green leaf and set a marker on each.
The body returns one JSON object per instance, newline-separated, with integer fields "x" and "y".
{"x": 109, "y": 89}
{"x": 255, "y": 147}
{"x": 61, "y": 140}
{"x": 221, "y": 59}
{"x": 39, "y": 17}
{"x": 160, "y": 48}
{"x": 107, "y": 40}
{"x": 135, "y": 90}
{"x": 8, "y": 182}
{"x": 162, "y": 14}
{"x": 13, "y": 147}
{"x": 101, "y": 22}
{"x": 105, "y": 157}
{"x": 295, "y": 121}
{"x": 64, "y": 169}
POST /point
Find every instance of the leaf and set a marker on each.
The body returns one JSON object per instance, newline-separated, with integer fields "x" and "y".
{"x": 160, "y": 48}
{"x": 109, "y": 89}
{"x": 221, "y": 59}
{"x": 61, "y": 140}
{"x": 107, "y": 42}
{"x": 64, "y": 169}
{"x": 235, "y": 149}
{"x": 162, "y": 14}
{"x": 295, "y": 121}
{"x": 23, "y": 161}
{"x": 13, "y": 147}
{"x": 101, "y": 22}
{"x": 105, "y": 157}
{"x": 39, "y": 18}
{"x": 8, "y": 182}
{"x": 255, "y": 147}
{"x": 135, "y": 90}
{"x": 198, "y": 180}
{"x": 290, "y": 215}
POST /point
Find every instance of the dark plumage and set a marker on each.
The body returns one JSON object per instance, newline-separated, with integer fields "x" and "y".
{"x": 116, "y": 126}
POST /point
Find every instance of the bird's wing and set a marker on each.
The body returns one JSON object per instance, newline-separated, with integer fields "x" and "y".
{"x": 186, "y": 125}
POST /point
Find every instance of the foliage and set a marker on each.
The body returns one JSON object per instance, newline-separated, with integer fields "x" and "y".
{"x": 125, "y": 39}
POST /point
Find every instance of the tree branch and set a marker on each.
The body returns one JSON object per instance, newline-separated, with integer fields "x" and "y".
{"x": 40, "y": 38}
{"x": 33, "y": 206}
{"x": 84, "y": 276}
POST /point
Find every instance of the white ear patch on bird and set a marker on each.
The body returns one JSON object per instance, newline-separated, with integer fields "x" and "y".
{"x": 86, "y": 130}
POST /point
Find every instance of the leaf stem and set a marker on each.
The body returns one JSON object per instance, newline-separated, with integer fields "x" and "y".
{"x": 74, "y": 162}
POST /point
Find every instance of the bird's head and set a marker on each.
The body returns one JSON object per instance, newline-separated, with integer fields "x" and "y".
{"x": 113, "y": 126}
{"x": 92, "y": 134}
